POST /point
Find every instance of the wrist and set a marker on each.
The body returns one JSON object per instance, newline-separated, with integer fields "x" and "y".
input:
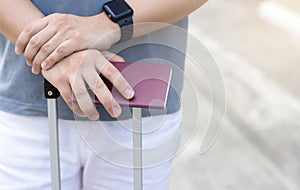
{"x": 118, "y": 11}
{"x": 107, "y": 28}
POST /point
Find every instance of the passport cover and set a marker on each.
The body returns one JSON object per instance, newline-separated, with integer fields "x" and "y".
{"x": 149, "y": 81}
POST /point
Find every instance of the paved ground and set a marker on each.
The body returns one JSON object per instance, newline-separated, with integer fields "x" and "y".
{"x": 259, "y": 145}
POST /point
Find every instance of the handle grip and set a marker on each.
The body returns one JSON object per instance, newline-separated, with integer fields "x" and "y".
{"x": 50, "y": 91}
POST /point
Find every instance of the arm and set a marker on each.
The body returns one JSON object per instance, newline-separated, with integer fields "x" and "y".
{"x": 73, "y": 33}
{"x": 15, "y": 15}
{"x": 166, "y": 11}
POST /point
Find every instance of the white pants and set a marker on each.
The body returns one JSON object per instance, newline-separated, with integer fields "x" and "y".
{"x": 25, "y": 165}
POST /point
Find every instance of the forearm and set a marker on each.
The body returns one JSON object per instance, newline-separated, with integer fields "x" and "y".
{"x": 74, "y": 33}
{"x": 166, "y": 11}
{"x": 15, "y": 15}
{"x": 162, "y": 12}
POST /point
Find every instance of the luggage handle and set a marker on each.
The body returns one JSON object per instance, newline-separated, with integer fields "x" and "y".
{"x": 50, "y": 91}
{"x": 51, "y": 94}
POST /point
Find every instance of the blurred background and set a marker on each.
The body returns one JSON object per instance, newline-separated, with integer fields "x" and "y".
{"x": 256, "y": 45}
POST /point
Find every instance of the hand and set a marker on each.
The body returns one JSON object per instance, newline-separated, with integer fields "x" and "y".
{"x": 50, "y": 39}
{"x": 74, "y": 73}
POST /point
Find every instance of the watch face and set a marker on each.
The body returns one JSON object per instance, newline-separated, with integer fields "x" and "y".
{"x": 118, "y": 9}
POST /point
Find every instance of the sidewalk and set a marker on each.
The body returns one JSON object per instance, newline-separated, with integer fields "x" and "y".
{"x": 259, "y": 145}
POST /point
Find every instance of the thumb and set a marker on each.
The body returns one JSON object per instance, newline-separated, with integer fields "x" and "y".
{"x": 112, "y": 57}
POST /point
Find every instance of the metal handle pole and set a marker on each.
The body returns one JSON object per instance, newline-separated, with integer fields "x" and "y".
{"x": 51, "y": 93}
{"x": 137, "y": 149}
{"x": 54, "y": 144}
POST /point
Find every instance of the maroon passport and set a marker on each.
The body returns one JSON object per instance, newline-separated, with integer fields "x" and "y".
{"x": 149, "y": 81}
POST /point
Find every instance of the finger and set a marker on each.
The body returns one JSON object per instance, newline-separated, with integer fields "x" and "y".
{"x": 116, "y": 78}
{"x": 83, "y": 99}
{"x": 35, "y": 47}
{"x": 65, "y": 91}
{"x": 67, "y": 95}
{"x": 112, "y": 57}
{"x": 63, "y": 50}
{"x": 102, "y": 92}
{"x": 29, "y": 31}
{"x": 45, "y": 51}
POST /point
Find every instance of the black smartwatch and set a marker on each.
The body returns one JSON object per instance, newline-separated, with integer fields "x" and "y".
{"x": 120, "y": 12}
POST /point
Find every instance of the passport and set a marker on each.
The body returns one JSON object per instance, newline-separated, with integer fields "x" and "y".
{"x": 150, "y": 83}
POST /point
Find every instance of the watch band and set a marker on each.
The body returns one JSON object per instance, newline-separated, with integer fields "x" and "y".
{"x": 126, "y": 26}
{"x": 120, "y": 12}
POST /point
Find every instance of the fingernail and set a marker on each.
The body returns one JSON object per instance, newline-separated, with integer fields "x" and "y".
{"x": 33, "y": 70}
{"x": 29, "y": 64}
{"x": 117, "y": 111}
{"x": 44, "y": 65}
{"x": 129, "y": 93}
{"x": 94, "y": 117}
{"x": 17, "y": 50}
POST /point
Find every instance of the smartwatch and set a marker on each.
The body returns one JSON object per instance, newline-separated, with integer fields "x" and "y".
{"x": 120, "y": 12}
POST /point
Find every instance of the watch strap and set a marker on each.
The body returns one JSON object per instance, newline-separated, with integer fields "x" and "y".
{"x": 126, "y": 26}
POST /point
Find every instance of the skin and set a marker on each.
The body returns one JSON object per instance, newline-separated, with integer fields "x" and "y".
{"x": 80, "y": 43}
{"x": 84, "y": 67}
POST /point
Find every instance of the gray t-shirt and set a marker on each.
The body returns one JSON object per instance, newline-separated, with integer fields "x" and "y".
{"x": 21, "y": 92}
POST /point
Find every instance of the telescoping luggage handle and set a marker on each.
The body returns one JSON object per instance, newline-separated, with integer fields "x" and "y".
{"x": 148, "y": 76}
{"x": 51, "y": 93}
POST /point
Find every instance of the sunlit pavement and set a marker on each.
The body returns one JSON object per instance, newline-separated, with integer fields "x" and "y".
{"x": 259, "y": 58}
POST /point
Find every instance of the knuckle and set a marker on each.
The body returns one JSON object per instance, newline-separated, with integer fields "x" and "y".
{"x": 68, "y": 98}
{"x": 60, "y": 20}
{"x": 61, "y": 24}
{"x": 119, "y": 80}
{"x": 58, "y": 79}
{"x": 98, "y": 85}
{"x": 45, "y": 49}
{"x": 60, "y": 16}
{"x": 111, "y": 71}
{"x": 78, "y": 36}
{"x": 61, "y": 51}
{"x": 106, "y": 99}
{"x": 63, "y": 16}
{"x": 50, "y": 60}
{"x": 35, "y": 41}
{"x": 80, "y": 92}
